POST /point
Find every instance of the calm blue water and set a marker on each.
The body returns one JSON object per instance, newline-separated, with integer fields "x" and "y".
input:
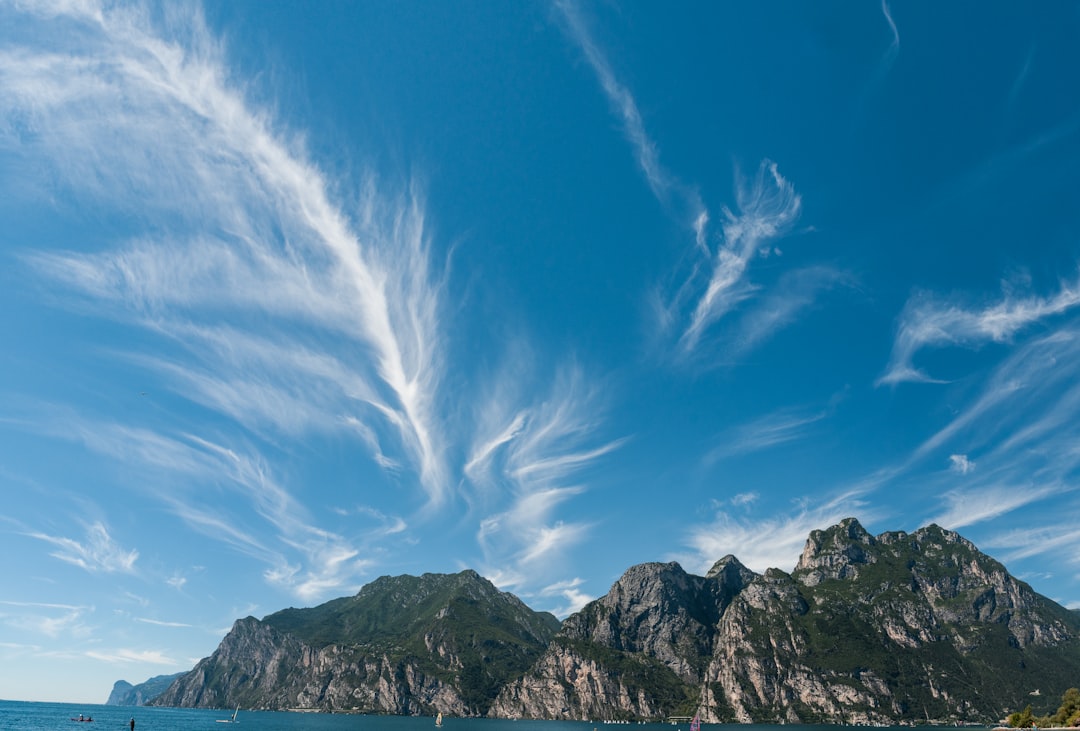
{"x": 57, "y": 717}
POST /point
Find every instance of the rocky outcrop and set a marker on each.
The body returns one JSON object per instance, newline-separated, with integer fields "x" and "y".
{"x": 634, "y": 653}
{"x": 886, "y": 629}
{"x": 125, "y": 694}
{"x": 403, "y": 645}
{"x": 866, "y": 630}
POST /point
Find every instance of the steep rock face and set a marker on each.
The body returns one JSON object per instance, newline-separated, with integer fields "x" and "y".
{"x": 874, "y": 629}
{"x": 765, "y": 666}
{"x": 655, "y": 609}
{"x": 121, "y": 694}
{"x": 126, "y": 694}
{"x": 898, "y": 627}
{"x": 866, "y": 629}
{"x": 565, "y": 685}
{"x": 836, "y": 553}
{"x": 249, "y": 663}
{"x": 403, "y": 645}
{"x": 634, "y": 652}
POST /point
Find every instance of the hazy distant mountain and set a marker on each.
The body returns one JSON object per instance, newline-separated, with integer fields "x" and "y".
{"x": 126, "y": 694}
{"x": 867, "y": 629}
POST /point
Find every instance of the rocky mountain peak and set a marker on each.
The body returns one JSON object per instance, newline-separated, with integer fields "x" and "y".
{"x": 835, "y": 553}
{"x": 867, "y": 630}
{"x": 727, "y": 566}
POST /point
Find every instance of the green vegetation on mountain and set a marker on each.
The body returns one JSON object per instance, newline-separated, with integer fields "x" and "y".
{"x": 1068, "y": 714}
{"x": 126, "y": 694}
{"x": 403, "y": 644}
{"x": 638, "y": 674}
{"x": 489, "y": 637}
{"x": 894, "y": 628}
{"x": 950, "y": 633}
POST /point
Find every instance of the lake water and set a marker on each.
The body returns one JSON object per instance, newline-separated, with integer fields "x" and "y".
{"x": 21, "y": 716}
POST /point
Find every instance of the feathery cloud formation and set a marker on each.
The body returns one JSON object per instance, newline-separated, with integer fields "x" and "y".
{"x": 775, "y": 542}
{"x": 930, "y": 322}
{"x": 767, "y": 207}
{"x": 98, "y": 553}
{"x": 535, "y": 455}
{"x": 259, "y": 296}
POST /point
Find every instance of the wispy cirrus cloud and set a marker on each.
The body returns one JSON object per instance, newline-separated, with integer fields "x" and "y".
{"x": 894, "y": 46}
{"x": 528, "y": 460}
{"x": 767, "y": 207}
{"x": 49, "y": 619}
{"x": 968, "y": 506}
{"x": 716, "y": 284}
{"x": 774, "y": 542}
{"x": 161, "y": 623}
{"x": 665, "y": 186}
{"x": 1024, "y": 404}
{"x": 97, "y": 553}
{"x": 794, "y": 292}
{"x": 762, "y": 433}
{"x": 570, "y": 592}
{"x": 928, "y": 321}
{"x": 1018, "y": 543}
{"x": 276, "y": 301}
{"x": 126, "y": 655}
{"x": 256, "y": 293}
{"x": 1019, "y": 420}
{"x": 274, "y": 528}
{"x": 255, "y": 231}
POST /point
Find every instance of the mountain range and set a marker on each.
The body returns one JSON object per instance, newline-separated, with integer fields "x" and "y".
{"x": 894, "y": 628}
{"x": 126, "y": 694}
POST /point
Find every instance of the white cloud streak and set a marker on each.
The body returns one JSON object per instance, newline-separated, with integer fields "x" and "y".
{"x": 793, "y": 293}
{"x": 255, "y": 230}
{"x": 99, "y": 553}
{"x": 763, "y": 433}
{"x": 665, "y": 187}
{"x": 894, "y": 47}
{"x": 57, "y": 619}
{"x": 125, "y": 655}
{"x": 160, "y": 623}
{"x": 964, "y": 507}
{"x": 928, "y": 322}
{"x": 1020, "y": 421}
{"x": 767, "y": 208}
{"x": 533, "y": 455}
{"x": 569, "y": 591}
{"x": 775, "y": 542}
{"x": 266, "y": 302}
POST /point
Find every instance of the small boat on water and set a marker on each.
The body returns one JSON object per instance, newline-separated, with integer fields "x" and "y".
{"x": 438, "y": 720}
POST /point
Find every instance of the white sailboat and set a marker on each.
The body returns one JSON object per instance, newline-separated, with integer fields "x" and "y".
{"x": 438, "y": 720}
{"x": 230, "y": 720}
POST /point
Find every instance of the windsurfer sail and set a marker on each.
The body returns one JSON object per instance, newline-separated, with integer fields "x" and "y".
{"x": 438, "y": 720}
{"x": 695, "y": 725}
{"x": 230, "y": 720}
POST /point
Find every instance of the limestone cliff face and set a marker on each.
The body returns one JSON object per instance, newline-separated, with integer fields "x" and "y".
{"x": 403, "y": 645}
{"x": 632, "y": 653}
{"x": 866, "y": 629}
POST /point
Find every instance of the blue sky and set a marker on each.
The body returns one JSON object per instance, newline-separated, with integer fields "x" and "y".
{"x": 296, "y": 295}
